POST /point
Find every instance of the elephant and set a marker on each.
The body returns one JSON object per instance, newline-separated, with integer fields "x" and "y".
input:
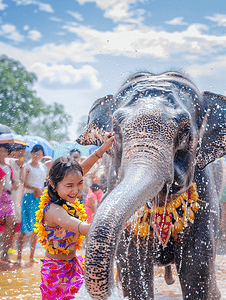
{"x": 168, "y": 136}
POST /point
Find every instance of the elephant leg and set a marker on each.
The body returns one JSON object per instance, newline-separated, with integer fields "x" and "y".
{"x": 196, "y": 269}
{"x": 135, "y": 266}
{"x": 168, "y": 275}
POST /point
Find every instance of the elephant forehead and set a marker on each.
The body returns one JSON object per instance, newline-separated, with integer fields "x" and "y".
{"x": 157, "y": 119}
{"x": 158, "y": 86}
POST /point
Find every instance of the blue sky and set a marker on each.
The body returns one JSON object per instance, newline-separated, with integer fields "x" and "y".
{"x": 82, "y": 50}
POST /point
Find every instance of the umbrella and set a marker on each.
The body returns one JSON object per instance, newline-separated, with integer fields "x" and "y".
{"x": 12, "y": 138}
{"x": 5, "y": 129}
{"x": 65, "y": 147}
{"x": 37, "y": 140}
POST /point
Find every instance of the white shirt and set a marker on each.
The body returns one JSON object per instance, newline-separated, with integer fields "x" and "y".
{"x": 36, "y": 177}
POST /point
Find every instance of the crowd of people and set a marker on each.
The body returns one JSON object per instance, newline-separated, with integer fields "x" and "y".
{"x": 21, "y": 187}
{"x": 54, "y": 201}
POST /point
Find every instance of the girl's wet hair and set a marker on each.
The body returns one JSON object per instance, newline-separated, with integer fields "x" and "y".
{"x": 61, "y": 167}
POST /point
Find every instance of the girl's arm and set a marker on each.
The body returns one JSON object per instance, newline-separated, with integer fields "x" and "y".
{"x": 56, "y": 215}
{"x": 26, "y": 185}
{"x": 90, "y": 161}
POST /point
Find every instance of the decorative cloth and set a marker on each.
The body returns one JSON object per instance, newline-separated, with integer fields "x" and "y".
{"x": 61, "y": 279}
{"x": 162, "y": 225}
{"x": 6, "y": 205}
{"x": 169, "y": 219}
{"x": 2, "y": 173}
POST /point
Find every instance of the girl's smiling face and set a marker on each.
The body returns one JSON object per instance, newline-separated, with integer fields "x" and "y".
{"x": 70, "y": 187}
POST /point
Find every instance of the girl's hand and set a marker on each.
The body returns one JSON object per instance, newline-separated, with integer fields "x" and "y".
{"x": 90, "y": 161}
{"x": 109, "y": 141}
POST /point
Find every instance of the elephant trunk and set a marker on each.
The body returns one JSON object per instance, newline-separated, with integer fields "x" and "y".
{"x": 138, "y": 186}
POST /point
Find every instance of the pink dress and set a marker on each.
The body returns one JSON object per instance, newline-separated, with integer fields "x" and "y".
{"x": 97, "y": 197}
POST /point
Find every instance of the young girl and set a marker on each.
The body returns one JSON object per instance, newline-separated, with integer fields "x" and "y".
{"x": 16, "y": 162}
{"x": 61, "y": 225}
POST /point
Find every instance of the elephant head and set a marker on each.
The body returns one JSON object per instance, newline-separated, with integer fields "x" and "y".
{"x": 165, "y": 128}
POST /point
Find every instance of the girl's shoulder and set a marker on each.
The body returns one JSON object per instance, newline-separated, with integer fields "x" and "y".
{"x": 53, "y": 209}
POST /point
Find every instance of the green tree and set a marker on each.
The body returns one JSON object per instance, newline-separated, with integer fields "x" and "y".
{"x": 18, "y": 102}
{"x": 22, "y": 110}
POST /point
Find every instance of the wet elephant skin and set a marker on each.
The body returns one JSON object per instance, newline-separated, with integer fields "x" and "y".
{"x": 168, "y": 135}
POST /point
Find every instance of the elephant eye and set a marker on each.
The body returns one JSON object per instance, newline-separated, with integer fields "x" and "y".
{"x": 184, "y": 135}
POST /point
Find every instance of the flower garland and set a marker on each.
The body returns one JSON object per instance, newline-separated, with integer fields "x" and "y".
{"x": 78, "y": 208}
{"x": 188, "y": 203}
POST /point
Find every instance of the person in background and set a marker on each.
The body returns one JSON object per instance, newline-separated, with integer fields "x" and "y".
{"x": 93, "y": 199}
{"x": 35, "y": 177}
{"x": 16, "y": 161}
{"x": 7, "y": 211}
{"x": 76, "y": 154}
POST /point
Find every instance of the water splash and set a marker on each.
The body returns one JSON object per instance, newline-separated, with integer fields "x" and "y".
{"x": 83, "y": 294}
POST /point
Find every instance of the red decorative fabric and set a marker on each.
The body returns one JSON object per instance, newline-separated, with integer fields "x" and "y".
{"x": 162, "y": 224}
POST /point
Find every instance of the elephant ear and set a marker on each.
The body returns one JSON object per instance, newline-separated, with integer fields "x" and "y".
{"x": 99, "y": 122}
{"x": 212, "y": 143}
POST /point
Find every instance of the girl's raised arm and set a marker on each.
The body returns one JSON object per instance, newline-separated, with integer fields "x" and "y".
{"x": 92, "y": 159}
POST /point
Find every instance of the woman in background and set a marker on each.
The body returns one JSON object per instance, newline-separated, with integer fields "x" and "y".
{"x": 35, "y": 177}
